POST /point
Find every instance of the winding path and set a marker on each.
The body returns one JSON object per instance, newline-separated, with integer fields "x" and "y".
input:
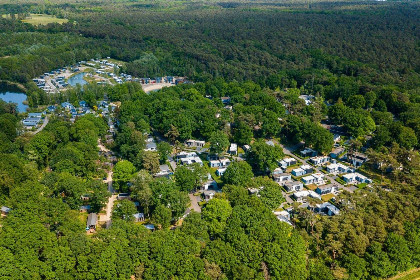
{"x": 46, "y": 120}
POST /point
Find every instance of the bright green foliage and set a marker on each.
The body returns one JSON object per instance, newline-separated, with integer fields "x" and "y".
{"x": 270, "y": 124}
{"x": 238, "y": 173}
{"x": 318, "y": 138}
{"x": 242, "y": 133}
{"x": 184, "y": 178}
{"x": 270, "y": 192}
{"x": 216, "y": 213}
{"x": 218, "y": 142}
{"x": 194, "y": 225}
{"x": 131, "y": 142}
{"x": 164, "y": 150}
{"x": 336, "y": 55}
{"x": 357, "y": 102}
{"x": 398, "y": 252}
{"x": 39, "y": 148}
{"x": 141, "y": 190}
{"x": 358, "y": 122}
{"x": 124, "y": 210}
{"x": 8, "y": 269}
{"x": 167, "y": 193}
{"x": 356, "y": 267}
{"x": 162, "y": 216}
{"x": 123, "y": 173}
{"x": 319, "y": 271}
{"x": 406, "y": 137}
{"x": 8, "y": 126}
{"x": 264, "y": 157}
{"x": 378, "y": 261}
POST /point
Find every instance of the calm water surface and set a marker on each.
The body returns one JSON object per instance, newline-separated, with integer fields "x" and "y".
{"x": 77, "y": 79}
{"x": 15, "y": 97}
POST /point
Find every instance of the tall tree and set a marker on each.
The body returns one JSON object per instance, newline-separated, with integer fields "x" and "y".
{"x": 123, "y": 173}
{"x": 263, "y": 157}
{"x": 238, "y": 173}
{"x": 218, "y": 142}
{"x": 141, "y": 190}
{"x": 150, "y": 162}
{"x": 216, "y": 213}
{"x": 162, "y": 216}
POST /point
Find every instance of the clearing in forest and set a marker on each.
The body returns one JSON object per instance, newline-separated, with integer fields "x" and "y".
{"x": 42, "y": 19}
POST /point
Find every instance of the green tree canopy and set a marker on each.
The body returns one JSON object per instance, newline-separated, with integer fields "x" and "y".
{"x": 238, "y": 173}
{"x": 263, "y": 157}
{"x": 123, "y": 173}
{"x": 218, "y": 142}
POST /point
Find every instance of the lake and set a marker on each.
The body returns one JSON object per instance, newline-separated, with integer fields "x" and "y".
{"x": 77, "y": 79}
{"x": 15, "y": 97}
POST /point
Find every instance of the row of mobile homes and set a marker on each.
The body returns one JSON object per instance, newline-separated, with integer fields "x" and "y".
{"x": 317, "y": 179}
{"x": 320, "y": 160}
{"x": 337, "y": 168}
{"x": 188, "y": 158}
{"x": 302, "y": 170}
{"x": 355, "y": 178}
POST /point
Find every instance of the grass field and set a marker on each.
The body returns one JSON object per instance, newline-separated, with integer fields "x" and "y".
{"x": 413, "y": 274}
{"x": 41, "y": 19}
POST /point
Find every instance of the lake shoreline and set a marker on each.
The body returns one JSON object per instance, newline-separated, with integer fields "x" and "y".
{"x": 6, "y": 84}
{"x": 11, "y": 93}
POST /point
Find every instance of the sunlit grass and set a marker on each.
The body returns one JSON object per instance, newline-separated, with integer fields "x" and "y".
{"x": 42, "y": 19}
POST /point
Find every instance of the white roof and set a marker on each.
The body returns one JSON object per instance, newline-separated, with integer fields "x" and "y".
{"x": 196, "y": 141}
{"x": 332, "y": 166}
{"x": 288, "y": 159}
{"x": 191, "y": 159}
{"x": 307, "y": 178}
{"x": 318, "y": 158}
{"x": 349, "y": 176}
{"x": 306, "y": 193}
{"x": 301, "y": 194}
{"x": 281, "y": 213}
{"x": 296, "y": 170}
{"x": 187, "y": 154}
{"x": 318, "y": 175}
{"x": 221, "y": 170}
{"x": 306, "y": 166}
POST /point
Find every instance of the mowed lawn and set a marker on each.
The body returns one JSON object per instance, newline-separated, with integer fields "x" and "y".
{"x": 42, "y": 19}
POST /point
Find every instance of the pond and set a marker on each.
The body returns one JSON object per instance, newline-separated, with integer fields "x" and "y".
{"x": 77, "y": 79}
{"x": 15, "y": 97}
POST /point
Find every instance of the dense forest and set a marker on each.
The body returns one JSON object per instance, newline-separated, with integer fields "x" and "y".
{"x": 359, "y": 60}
